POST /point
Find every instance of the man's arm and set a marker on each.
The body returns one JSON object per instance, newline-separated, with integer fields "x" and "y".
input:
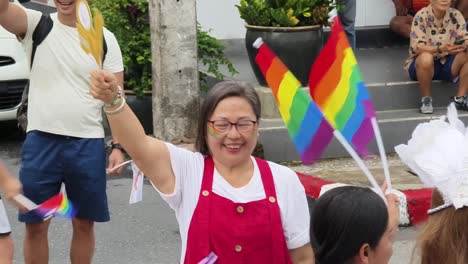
{"x": 8, "y": 184}
{"x": 13, "y": 18}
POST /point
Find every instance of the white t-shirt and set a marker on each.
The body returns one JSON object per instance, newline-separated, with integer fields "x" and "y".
{"x": 59, "y": 99}
{"x": 188, "y": 169}
{"x": 4, "y": 224}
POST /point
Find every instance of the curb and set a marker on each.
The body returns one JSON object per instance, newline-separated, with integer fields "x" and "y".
{"x": 413, "y": 203}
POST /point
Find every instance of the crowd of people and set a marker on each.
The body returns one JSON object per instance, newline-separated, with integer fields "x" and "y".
{"x": 220, "y": 186}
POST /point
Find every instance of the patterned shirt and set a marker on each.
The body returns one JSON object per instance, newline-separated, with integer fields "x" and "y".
{"x": 426, "y": 30}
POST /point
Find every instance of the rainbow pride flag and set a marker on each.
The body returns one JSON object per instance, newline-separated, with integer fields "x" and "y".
{"x": 337, "y": 87}
{"x": 58, "y": 205}
{"x": 306, "y": 125}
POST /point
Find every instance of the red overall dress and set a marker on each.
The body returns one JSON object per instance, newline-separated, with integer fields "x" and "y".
{"x": 237, "y": 232}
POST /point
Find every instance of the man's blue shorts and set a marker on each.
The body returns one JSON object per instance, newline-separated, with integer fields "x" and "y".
{"x": 48, "y": 160}
{"x": 442, "y": 72}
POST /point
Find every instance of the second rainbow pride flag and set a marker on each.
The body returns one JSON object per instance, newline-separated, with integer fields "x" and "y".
{"x": 306, "y": 125}
{"x": 337, "y": 87}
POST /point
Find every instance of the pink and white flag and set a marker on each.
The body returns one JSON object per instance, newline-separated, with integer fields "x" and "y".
{"x": 136, "y": 194}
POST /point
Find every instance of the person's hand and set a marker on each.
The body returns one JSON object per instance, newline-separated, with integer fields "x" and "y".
{"x": 454, "y": 49}
{"x": 400, "y": 8}
{"x": 393, "y": 203}
{"x": 103, "y": 86}
{"x": 11, "y": 188}
{"x": 115, "y": 158}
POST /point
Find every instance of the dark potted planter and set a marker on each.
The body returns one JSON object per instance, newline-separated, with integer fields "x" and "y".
{"x": 143, "y": 109}
{"x": 297, "y": 47}
{"x": 292, "y": 29}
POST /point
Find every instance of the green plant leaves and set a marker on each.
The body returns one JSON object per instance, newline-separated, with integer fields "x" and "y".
{"x": 285, "y": 13}
{"x": 210, "y": 53}
{"x": 254, "y": 12}
{"x": 129, "y": 21}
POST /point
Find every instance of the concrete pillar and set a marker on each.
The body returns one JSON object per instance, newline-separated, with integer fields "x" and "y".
{"x": 175, "y": 72}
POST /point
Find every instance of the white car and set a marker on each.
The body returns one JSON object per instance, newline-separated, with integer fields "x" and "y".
{"x": 14, "y": 74}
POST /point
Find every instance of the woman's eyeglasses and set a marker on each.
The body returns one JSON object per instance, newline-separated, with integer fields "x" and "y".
{"x": 223, "y": 127}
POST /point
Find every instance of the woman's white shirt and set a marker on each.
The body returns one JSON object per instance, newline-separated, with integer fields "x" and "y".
{"x": 188, "y": 170}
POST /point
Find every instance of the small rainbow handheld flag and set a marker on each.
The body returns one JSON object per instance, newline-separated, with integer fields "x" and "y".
{"x": 306, "y": 125}
{"x": 58, "y": 205}
{"x": 337, "y": 87}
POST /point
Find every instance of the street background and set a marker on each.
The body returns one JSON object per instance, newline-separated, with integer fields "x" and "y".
{"x": 146, "y": 232}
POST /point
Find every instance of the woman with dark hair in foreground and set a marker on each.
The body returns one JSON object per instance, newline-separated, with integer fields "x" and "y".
{"x": 353, "y": 225}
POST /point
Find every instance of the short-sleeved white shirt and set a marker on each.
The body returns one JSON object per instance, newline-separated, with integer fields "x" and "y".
{"x": 4, "y": 223}
{"x": 188, "y": 169}
{"x": 59, "y": 99}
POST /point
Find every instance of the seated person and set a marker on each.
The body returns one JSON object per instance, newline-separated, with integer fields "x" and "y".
{"x": 438, "y": 52}
{"x": 406, "y": 9}
{"x": 353, "y": 225}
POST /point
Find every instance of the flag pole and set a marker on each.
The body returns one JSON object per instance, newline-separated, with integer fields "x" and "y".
{"x": 359, "y": 162}
{"x": 383, "y": 156}
{"x": 25, "y": 202}
{"x": 118, "y": 166}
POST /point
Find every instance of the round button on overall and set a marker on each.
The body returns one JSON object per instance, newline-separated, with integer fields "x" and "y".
{"x": 240, "y": 209}
{"x": 238, "y": 248}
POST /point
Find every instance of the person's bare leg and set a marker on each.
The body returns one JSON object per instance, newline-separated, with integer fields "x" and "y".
{"x": 460, "y": 69}
{"x": 6, "y": 249}
{"x": 462, "y": 6}
{"x": 36, "y": 244}
{"x": 401, "y": 25}
{"x": 425, "y": 72}
{"x": 82, "y": 246}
